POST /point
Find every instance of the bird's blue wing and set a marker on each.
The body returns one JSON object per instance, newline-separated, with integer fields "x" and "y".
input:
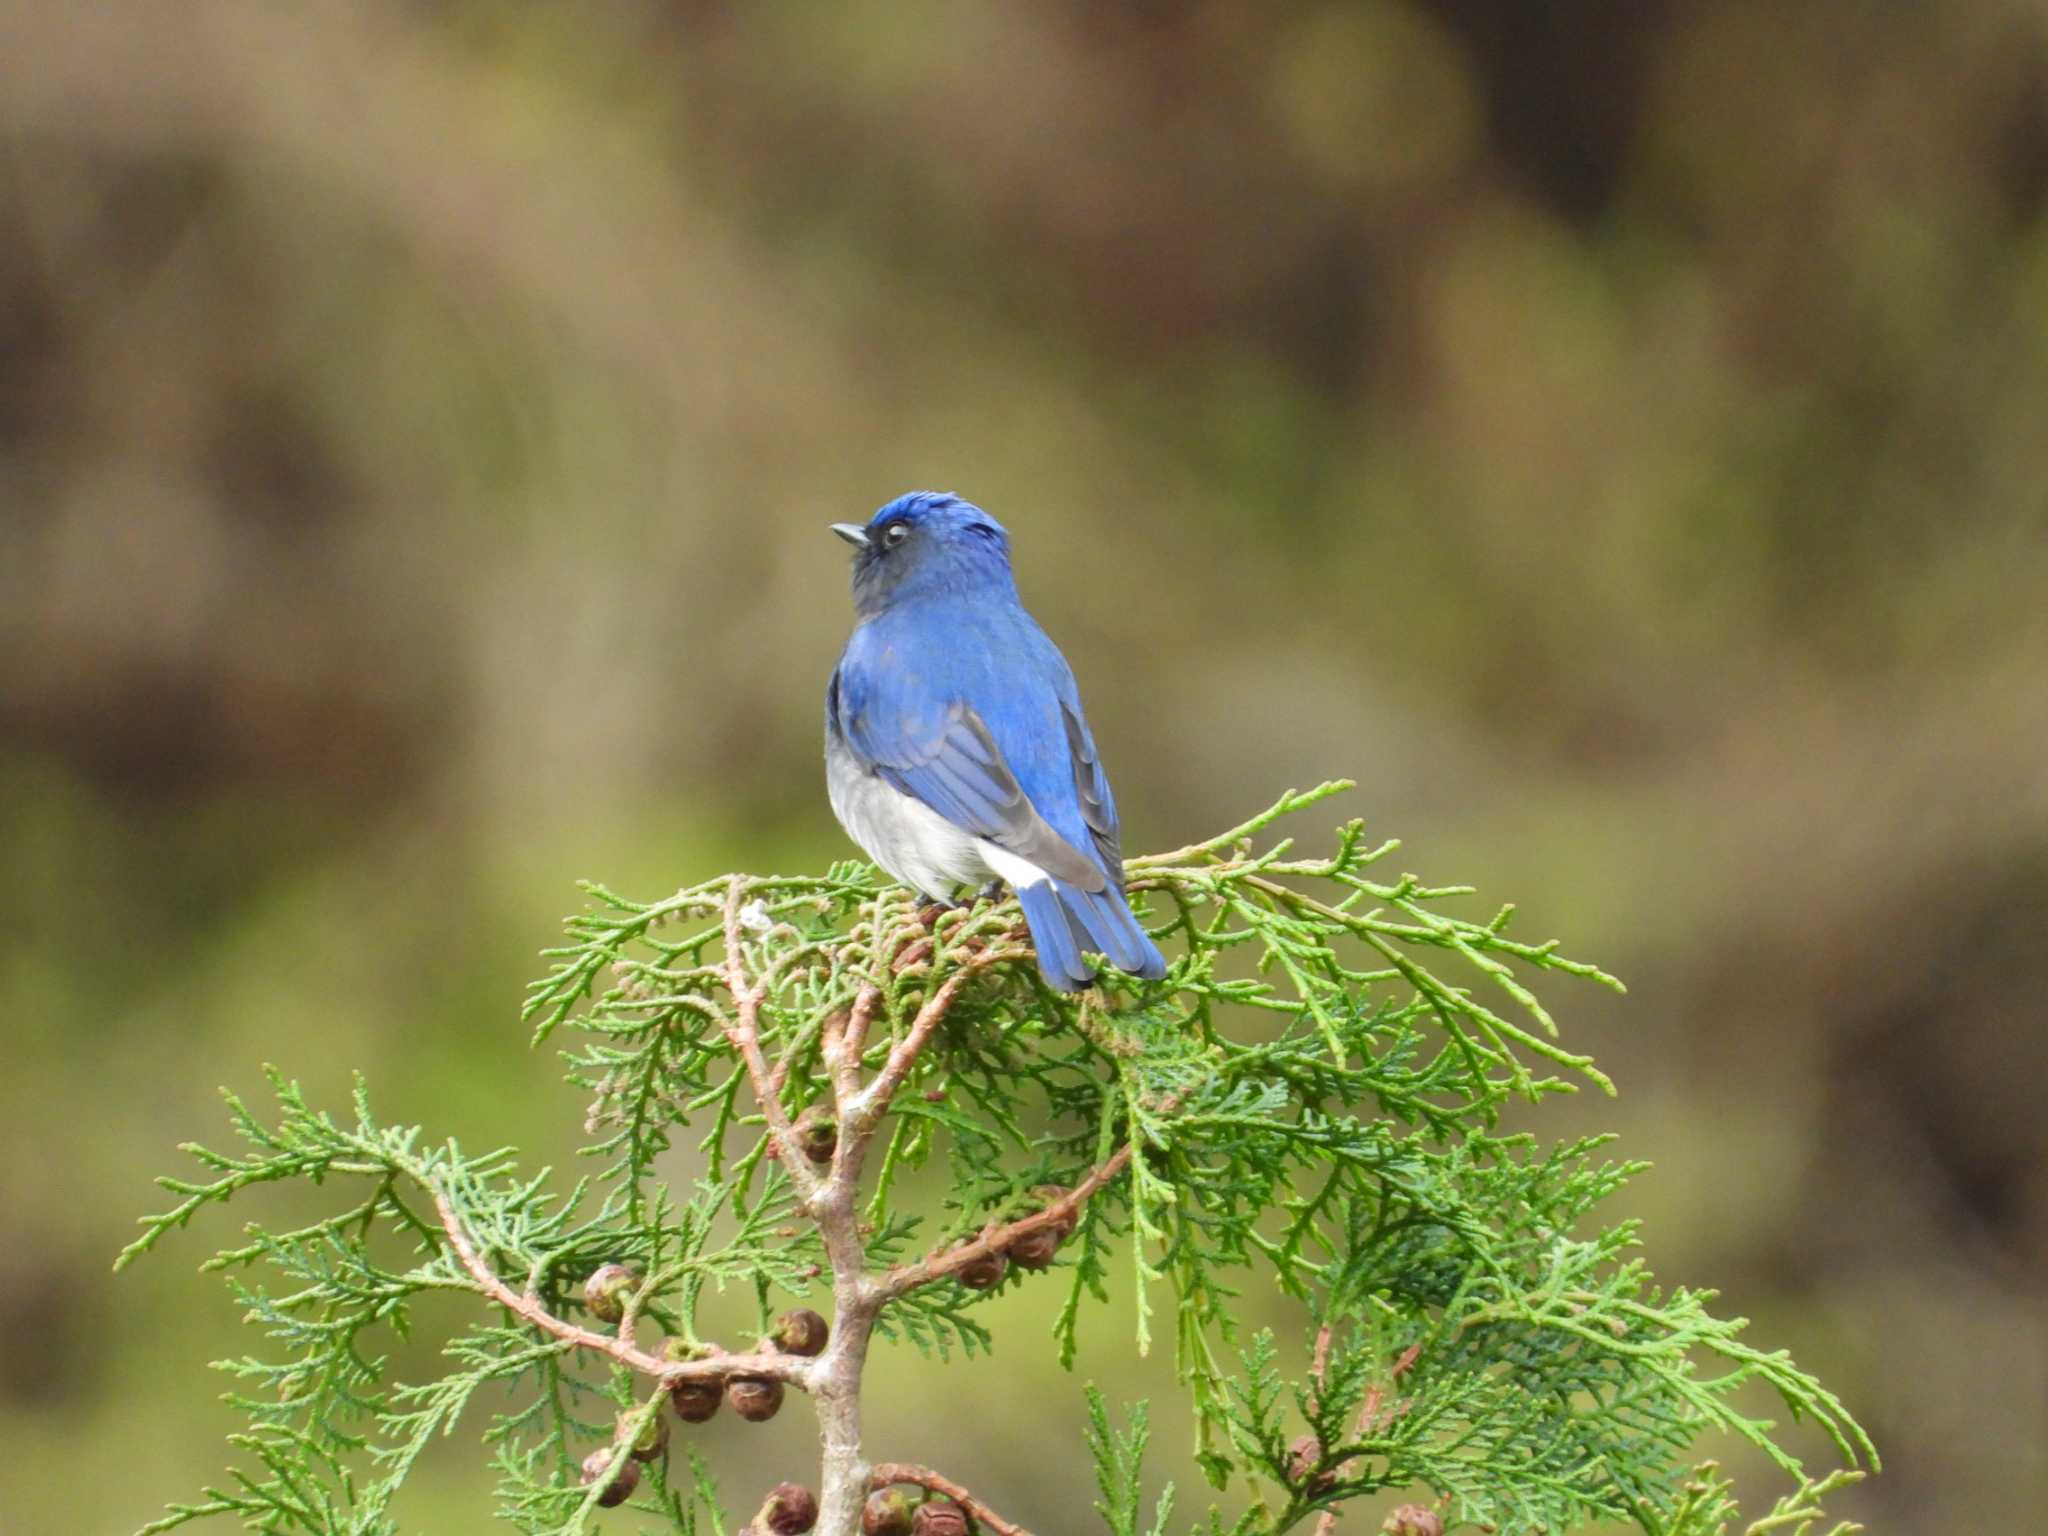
{"x": 941, "y": 751}
{"x": 1091, "y": 789}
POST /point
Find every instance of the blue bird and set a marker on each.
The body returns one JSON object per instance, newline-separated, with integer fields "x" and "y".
{"x": 955, "y": 747}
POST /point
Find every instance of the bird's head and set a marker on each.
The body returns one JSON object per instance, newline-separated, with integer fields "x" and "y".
{"x": 925, "y": 544}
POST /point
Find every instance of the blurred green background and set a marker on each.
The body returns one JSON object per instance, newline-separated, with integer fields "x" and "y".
{"x": 1617, "y": 434}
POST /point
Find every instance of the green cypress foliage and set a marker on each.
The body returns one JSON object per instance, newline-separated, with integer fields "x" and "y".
{"x": 893, "y": 1122}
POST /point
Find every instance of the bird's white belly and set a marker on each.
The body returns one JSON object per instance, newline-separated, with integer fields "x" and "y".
{"x": 909, "y": 839}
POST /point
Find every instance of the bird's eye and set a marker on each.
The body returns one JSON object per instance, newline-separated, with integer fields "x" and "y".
{"x": 895, "y": 534}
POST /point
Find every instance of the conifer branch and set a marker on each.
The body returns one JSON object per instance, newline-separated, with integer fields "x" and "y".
{"x": 890, "y": 1472}
{"x": 743, "y": 1033}
{"x": 1058, "y": 1215}
{"x": 1319, "y": 1116}
{"x": 1368, "y": 1413}
{"x": 1286, "y": 805}
{"x": 527, "y": 1306}
{"x": 868, "y": 1104}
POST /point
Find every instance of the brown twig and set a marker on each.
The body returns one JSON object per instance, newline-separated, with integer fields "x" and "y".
{"x": 1062, "y": 1212}
{"x": 743, "y": 1033}
{"x": 904, "y": 1472}
{"x": 860, "y": 1018}
{"x": 995, "y": 1239}
{"x": 872, "y": 1100}
{"x": 914, "y": 953}
{"x": 786, "y": 1368}
{"x": 831, "y": 1203}
{"x": 844, "y": 1045}
{"x": 1368, "y": 1414}
{"x": 1318, "y": 1367}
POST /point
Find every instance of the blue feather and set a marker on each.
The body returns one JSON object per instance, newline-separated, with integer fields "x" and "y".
{"x": 1112, "y": 929}
{"x": 949, "y": 693}
{"x": 1052, "y": 933}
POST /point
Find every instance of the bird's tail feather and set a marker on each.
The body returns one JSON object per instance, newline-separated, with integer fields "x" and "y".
{"x": 1052, "y": 935}
{"x": 1112, "y": 930}
{"x": 1064, "y": 920}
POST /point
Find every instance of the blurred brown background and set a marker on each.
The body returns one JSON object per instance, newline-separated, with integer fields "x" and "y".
{"x": 1615, "y": 433}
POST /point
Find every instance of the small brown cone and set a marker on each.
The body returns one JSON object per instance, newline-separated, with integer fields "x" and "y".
{"x": 790, "y": 1510}
{"x": 984, "y": 1273}
{"x": 1036, "y": 1249}
{"x": 652, "y": 1441}
{"x": 754, "y": 1398}
{"x": 940, "y": 1517}
{"x": 695, "y": 1399}
{"x": 889, "y": 1511}
{"x": 623, "y": 1482}
{"x": 801, "y": 1332}
{"x": 606, "y": 1291}
{"x": 696, "y": 1402}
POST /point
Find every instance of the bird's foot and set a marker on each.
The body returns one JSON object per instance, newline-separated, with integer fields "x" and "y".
{"x": 934, "y": 909}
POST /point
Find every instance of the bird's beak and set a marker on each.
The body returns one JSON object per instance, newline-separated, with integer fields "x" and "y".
{"x": 853, "y": 533}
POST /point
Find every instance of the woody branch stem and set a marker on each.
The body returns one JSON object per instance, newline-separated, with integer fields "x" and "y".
{"x": 743, "y": 1033}
{"x": 905, "y": 1472}
{"x": 908, "y": 1277}
{"x": 795, "y": 1371}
